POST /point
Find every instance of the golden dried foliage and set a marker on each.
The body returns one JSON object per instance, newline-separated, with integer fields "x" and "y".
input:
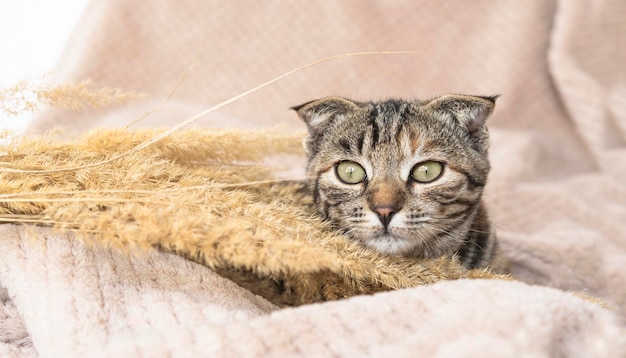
{"x": 76, "y": 96}
{"x": 203, "y": 194}
{"x": 27, "y": 95}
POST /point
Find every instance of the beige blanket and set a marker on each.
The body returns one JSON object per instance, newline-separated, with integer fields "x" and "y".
{"x": 556, "y": 192}
{"x": 66, "y": 300}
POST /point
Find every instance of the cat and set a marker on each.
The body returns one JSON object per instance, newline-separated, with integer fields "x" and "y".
{"x": 404, "y": 177}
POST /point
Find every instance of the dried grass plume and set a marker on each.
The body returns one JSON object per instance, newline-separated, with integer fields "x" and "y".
{"x": 28, "y": 94}
{"x": 203, "y": 194}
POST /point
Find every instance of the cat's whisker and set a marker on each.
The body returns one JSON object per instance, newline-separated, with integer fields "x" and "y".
{"x": 426, "y": 244}
{"x": 479, "y": 231}
{"x": 439, "y": 230}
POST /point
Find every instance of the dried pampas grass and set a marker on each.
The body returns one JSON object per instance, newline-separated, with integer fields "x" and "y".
{"x": 198, "y": 194}
{"x": 27, "y": 95}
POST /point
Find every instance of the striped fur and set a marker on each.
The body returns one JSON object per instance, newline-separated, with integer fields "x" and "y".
{"x": 388, "y": 210}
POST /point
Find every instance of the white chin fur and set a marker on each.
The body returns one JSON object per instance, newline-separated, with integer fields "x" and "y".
{"x": 388, "y": 244}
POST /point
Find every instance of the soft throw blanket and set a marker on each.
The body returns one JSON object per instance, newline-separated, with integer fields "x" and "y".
{"x": 556, "y": 191}
{"x": 64, "y": 299}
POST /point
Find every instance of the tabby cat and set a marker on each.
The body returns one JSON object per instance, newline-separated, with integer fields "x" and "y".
{"x": 404, "y": 177}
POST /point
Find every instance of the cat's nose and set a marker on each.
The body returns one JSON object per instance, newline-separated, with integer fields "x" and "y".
{"x": 385, "y": 213}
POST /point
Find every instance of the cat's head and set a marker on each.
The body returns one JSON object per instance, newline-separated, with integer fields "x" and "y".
{"x": 403, "y": 177}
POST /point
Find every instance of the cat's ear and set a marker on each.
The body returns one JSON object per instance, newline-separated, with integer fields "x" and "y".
{"x": 469, "y": 111}
{"x": 320, "y": 113}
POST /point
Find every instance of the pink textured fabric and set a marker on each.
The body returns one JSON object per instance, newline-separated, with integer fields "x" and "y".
{"x": 85, "y": 301}
{"x": 556, "y": 192}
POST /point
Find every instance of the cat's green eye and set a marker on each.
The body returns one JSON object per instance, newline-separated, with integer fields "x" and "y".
{"x": 350, "y": 172}
{"x": 428, "y": 171}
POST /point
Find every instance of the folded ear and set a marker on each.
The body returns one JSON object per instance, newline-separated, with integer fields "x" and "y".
{"x": 320, "y": 113}
{"x": 470, "y": 112}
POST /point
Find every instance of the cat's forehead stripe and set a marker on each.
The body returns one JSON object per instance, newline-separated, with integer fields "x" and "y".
{"x": 375, "y": 131}
{"x": 361, "y": 142}
{"x": 386, "y": 121}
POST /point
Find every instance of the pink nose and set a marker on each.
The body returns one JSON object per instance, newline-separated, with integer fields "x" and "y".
{"x": 385, "y": 213}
